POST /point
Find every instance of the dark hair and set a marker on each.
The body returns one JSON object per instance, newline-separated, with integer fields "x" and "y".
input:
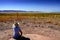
{"x": 16, "y": 24}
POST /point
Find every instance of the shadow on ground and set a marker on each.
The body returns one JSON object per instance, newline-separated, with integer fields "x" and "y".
{"x": 23, "y": 38}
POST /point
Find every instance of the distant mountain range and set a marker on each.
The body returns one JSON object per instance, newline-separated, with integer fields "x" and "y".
{"x": 12, "y": 11}
{"x": 3, "y": 11}
{"x": 17, "y": 11}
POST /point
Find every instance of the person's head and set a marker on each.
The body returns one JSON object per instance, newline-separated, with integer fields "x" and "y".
{"x": 16, "y": 24}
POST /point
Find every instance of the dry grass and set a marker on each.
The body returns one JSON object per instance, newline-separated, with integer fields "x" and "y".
{"x": 47, "y": 25}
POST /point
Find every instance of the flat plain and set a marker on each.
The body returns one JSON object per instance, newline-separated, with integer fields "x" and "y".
{"x": 36, "y": 26}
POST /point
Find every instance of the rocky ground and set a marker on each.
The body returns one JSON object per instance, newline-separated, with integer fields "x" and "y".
{"x": 35, "y": 29}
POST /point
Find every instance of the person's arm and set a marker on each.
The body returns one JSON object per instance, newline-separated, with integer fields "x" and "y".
{"x": 21, "y": 32}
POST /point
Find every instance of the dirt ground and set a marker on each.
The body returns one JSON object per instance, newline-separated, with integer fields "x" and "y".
{"x": 35, "y": 29}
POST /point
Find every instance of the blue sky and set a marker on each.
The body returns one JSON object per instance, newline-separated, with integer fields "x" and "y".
{"x": 31, "y": 5}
